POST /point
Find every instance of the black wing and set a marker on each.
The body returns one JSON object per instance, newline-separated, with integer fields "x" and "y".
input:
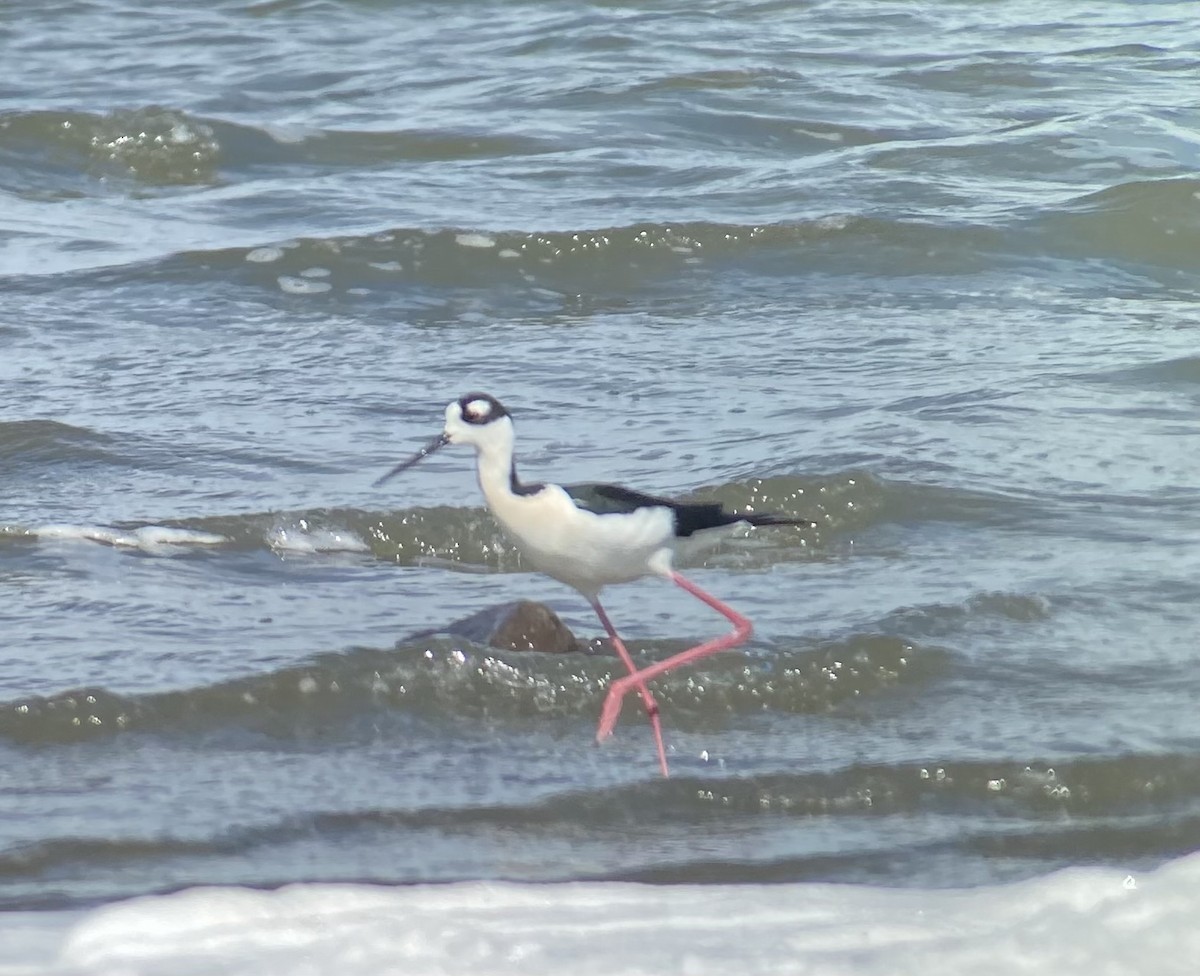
{"x": 689, "y": 516}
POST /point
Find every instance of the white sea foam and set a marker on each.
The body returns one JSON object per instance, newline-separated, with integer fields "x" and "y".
{"x": 302, "y": 286}
{"x": 288, "y": 134}
{"x": 474, "y": 240}
{"x": 1073, "y": 922}
{"x": 264, "y": 255}
{"x": 148, "y": 537}
{"x": 299, "y": 537}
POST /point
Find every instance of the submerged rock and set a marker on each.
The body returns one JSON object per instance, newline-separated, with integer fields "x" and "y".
{"x": 521, "y": 626}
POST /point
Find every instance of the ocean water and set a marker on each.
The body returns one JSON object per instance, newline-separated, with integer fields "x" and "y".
{"x": 925, "y": 273}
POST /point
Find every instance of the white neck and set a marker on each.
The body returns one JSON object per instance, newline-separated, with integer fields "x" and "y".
{"x": 494, "y": 461}
{"x": 495, "y": 467}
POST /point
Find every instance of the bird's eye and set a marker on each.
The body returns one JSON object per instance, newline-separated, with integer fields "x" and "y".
{"x": 476, "y": 410}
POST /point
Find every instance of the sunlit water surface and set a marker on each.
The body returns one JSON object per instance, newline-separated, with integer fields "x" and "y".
{"x": 925, "y": 273}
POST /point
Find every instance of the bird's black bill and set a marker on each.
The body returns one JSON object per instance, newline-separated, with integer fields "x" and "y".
{"x": 440, "y": 441}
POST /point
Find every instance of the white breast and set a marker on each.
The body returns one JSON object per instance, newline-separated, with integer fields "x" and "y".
{"x": 580, "y": 548}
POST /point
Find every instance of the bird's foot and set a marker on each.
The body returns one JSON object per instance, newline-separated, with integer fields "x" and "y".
{"x": 611, "y": 710}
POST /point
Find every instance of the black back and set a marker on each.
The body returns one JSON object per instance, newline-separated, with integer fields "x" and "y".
{"x": 690, "y": 517}
{"x": 518, "y": 487}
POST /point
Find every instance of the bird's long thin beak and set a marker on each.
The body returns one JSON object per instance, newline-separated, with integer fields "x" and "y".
{"x": 440, "y": 441}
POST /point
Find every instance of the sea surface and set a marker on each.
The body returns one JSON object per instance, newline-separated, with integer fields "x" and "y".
{"x": 925, "y": 273}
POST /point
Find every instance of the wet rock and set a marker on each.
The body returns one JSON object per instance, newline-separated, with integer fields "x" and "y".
{"x": 521, "y": 626}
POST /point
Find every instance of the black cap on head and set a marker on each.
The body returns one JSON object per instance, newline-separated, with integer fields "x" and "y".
{"x": 481, "y": 408}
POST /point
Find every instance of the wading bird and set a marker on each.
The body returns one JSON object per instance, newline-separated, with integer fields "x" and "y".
{"x": 591, "y": 536}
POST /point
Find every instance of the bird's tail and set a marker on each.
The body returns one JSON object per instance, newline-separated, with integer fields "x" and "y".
{"x": 770, "y": 518}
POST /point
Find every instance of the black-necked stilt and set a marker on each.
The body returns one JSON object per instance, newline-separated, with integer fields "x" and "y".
{"x": 590, "y": 536}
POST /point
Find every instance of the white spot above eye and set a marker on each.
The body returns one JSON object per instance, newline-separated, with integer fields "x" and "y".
{"x": 478, "y": 409}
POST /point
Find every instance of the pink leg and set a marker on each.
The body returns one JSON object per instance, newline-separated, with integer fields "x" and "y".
{"x": 647, "y": 698}
{"x": 637, "y": 679}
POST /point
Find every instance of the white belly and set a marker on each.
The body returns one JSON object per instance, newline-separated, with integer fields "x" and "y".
{"x": 583, "y": 549}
